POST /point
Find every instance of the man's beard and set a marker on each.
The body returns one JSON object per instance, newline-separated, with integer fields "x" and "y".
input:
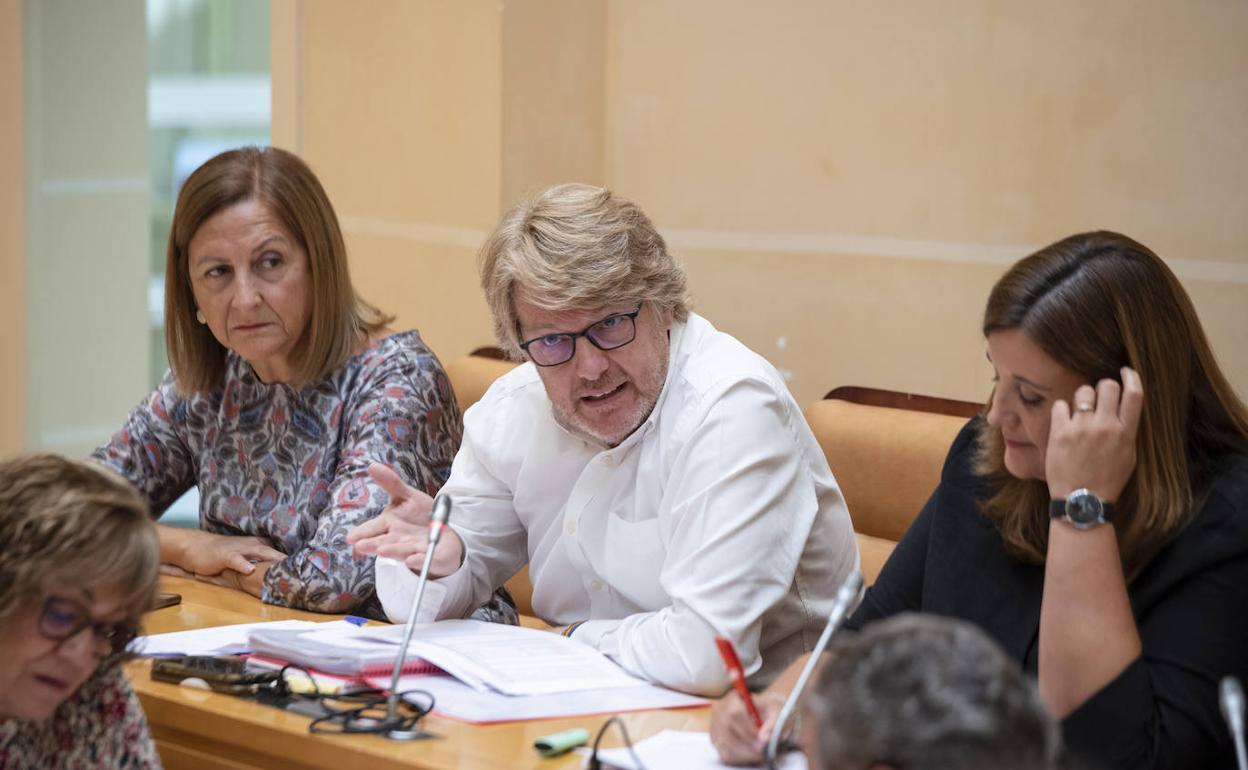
{"x": 574, "y": 423}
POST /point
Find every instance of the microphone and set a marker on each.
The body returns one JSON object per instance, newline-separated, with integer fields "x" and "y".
{"x": 845, "y": 598}
{"x": 1231, "y": 699}
{"x": 437, "y": 523}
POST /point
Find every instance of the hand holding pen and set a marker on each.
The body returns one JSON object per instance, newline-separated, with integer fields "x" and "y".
{"x": 762, "y": 710}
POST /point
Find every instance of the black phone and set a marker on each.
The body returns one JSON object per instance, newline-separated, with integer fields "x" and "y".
{"x": 223, "y": 673}
{"x": 166, "y": 600}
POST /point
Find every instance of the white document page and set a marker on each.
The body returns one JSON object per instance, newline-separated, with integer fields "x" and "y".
{"x": 678, "y": 750}
{"x": 217, "y": 640}
{"x": 511, "y": 659}
{"x": 456, "y": 700}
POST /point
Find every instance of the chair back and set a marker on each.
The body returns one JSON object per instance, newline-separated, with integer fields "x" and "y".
{"x": 470, "y": 377}
{"x": 887, "y": 461}
{"x": 473, "y": 374}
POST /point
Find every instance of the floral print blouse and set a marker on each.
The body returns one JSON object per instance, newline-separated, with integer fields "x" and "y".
{"x": 291, "y": 465}
{"x": 101, "y": 726}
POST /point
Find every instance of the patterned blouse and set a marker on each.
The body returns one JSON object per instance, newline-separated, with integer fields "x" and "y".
{"x": 292, "y": 465}
{"x": 101, "y": 726}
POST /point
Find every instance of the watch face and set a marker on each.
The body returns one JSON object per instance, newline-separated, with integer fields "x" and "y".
{"x": 1084, "y": 509}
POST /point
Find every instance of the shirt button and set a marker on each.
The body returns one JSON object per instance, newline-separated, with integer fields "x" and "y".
{"x": 596, "y": 585}
{"x": 571, "y": 528}
{"x": 608, "y": 459}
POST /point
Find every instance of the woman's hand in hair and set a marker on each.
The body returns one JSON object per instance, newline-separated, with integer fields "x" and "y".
{"x": 1095, "y": 448}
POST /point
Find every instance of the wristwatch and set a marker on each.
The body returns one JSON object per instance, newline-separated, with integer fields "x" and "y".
{"x": 1083, "y": 509}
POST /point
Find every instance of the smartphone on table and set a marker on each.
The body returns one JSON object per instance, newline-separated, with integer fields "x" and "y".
{"x": 222, "y": 673}
{"x": 166, "y": 600}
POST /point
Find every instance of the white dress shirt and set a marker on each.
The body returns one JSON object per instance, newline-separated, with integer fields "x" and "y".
{"x": 718, "y": 516}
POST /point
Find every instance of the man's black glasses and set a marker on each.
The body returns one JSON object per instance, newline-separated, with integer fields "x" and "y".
{"x": 614, "y": 331}
{"x": 63, "y": 619}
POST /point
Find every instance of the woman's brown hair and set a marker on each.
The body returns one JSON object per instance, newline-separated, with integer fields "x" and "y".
{"x": 339, "y": 320}
{"x": 71, "y": 523}
{"x": 1096, "y": 302}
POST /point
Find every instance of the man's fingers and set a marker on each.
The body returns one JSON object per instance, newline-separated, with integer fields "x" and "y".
{"x": 403, "y": 549}
{"x": 174, "y": 570}
{"x": 369, "y": 529}
{"x": 389, "y": 481}
{"x": 241, "y": 564}
{"x": 368, "y": 546}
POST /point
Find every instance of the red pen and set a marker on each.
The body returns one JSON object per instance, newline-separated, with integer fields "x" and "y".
{"x": 733, "y": 664}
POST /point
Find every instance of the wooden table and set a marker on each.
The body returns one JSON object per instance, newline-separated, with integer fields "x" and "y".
{"x": 196, "y": 729}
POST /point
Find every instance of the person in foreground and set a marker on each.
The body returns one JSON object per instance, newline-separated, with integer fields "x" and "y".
{"x": 283, "y": 387}
{"x": 78, "y": 569}
{"x": 918, "y": 692}
{"x": 655, "y": 474}
{"x": 1095, "y": 521}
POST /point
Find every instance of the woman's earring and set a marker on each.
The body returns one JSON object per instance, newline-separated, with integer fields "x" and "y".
{"x": 199, "y": 316}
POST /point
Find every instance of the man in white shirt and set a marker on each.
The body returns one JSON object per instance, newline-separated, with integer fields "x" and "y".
{"x": 655, "y": 474}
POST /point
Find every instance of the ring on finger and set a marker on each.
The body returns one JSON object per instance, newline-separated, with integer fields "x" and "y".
{"x": 1083, "y": 406}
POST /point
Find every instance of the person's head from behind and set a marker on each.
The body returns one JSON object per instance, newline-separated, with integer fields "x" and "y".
{"x": 918, "y": 692}
{"x": 78, "y": 568}
{"x": 579, "y": 281}
{"x": 257, "y": 264}
{"x": 1077, "y": 312}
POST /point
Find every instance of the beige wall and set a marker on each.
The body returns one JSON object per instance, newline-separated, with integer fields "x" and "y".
{"x": 12, "y": 234}
{"x": 422, "y": 118}
{"x": 845, "y": 181}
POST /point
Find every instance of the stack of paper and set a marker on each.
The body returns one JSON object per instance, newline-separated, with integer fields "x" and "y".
{"x": 340, "y": 648}
{"x": 494, "y": 673}
{"x": 218, "y": 640}
{"x": 511, "y": 659}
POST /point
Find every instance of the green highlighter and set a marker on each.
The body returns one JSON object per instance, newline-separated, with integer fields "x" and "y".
{"x": 561, "y": 743}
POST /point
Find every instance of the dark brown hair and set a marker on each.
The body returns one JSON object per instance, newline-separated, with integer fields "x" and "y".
{"x": 338, "y": 320}
{"x": 1096, "y": 302}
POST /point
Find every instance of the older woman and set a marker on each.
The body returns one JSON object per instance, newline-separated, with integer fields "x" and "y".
{"x": 1095, "y": 520}
{"x": 78, "y": 565}
{"x": 283, "y": 387}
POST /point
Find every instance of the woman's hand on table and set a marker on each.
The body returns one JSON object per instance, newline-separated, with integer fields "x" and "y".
{"x": 203, "y": 553}
{"x": 401, "y": 531}
{"x": 1092, "y": 439}
{"x": 252, "y": 583}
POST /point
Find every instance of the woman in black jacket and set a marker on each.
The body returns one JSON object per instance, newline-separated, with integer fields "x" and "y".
{"x": 1094, "y": 520}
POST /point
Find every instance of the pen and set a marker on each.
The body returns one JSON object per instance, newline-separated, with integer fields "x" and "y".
{"x": 737, "y": 674}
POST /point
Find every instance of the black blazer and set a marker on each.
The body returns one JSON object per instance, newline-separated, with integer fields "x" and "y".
{"x": 1190, "y": 605}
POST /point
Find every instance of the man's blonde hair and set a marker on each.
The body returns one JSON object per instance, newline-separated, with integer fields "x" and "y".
{"x": 577, "y": 247}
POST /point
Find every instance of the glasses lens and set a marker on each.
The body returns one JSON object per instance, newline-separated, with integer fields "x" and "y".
{"x": 612, "y": 332}
{"x": 61, "y": 619}
{"x": 551, "y": 349}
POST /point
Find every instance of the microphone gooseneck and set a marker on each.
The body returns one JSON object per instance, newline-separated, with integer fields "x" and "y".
{"x": 1231, "y": 699}
{"x": 437, "y": 523}
{"x": 845, "y": 599}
